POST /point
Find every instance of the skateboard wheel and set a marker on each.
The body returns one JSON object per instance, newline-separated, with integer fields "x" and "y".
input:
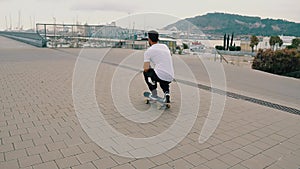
{"x": 168, "y": 106}
{"x": 147, "y": 101}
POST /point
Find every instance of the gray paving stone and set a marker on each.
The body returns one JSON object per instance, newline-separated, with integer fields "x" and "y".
{"x": 201, "y": 167}
{"x": 124, "y": 166}
{"x": 43, "y": 140}
{"x": 160, "y": 159}
{"x": 252, "y": 149}
{"x": 231, "y": 145}
{"x": 241, "y": 154}
{"x": 12, "y": 139}
{"x": 229, "y": 159}
{"x": 180, "y": 163}
{"x": 67, "y": 162}
{"x": 87, "y": 157}
{"x": 51, "y": 156}
{"x": 143, "y": 163}
{"x": 13, "y": 155}
{"x": 12, "y": 164}
{"x": 1, "y": 157}
{"x": 46, "y": 165}
{"x": 23, "y": 144}
{"x": 36, "y": 150}
{"x": 105, "y": 163}
{"x": 216, "y": 164}
{"x": 165, "y": 166}
{"x": 30, "y": 160}
{"x": 122, "y": 160}
{"x": 85, "y": 166}
{"x": 238, "y": 166}
{"x": 259, "y": 161}
{"x": 220, "y": 149}
{"x": 175, "y": 154}
{"x": 56, "y": 146}
{"x": 71, "y": 151}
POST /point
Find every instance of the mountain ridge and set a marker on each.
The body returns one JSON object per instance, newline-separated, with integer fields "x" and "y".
{"x": 220, "y": 23}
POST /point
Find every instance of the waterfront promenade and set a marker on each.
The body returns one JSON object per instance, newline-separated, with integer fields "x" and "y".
{"x": 39, "y": 127}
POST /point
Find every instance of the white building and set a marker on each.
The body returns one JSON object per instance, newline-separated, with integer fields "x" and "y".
{"x": 265, "y": 44}
{"x": 287, "y": 40}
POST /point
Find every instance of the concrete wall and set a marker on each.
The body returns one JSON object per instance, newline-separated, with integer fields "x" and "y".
{"x": 29, "y": 38}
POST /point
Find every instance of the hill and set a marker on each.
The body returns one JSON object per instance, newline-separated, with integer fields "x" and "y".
{"x": 221, "y": 23}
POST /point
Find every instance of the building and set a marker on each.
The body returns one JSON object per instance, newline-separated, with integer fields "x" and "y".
{"x": 265, "y": 43}
{"x": 170, "y": 42}
{"x": 287, "y": 40}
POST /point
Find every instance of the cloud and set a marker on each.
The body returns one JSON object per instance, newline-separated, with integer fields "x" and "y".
{"x": 106, "y": 6}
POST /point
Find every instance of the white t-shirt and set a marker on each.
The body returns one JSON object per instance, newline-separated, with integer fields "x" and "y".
{"x": 159, "y": 55}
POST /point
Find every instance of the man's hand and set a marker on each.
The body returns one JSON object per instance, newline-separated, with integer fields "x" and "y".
{"x": 146, "y": 66}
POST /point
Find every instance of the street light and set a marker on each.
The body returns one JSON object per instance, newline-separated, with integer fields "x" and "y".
{"x": 54, "y": 20}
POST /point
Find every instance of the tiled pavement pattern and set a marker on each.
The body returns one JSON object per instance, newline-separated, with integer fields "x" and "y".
{"x": 39, "y": 128}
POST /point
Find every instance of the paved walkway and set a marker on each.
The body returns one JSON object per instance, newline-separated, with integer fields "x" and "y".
{"x": 40, "y": 129}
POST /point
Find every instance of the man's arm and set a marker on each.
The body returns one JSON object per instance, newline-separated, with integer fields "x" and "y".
{"x": 146, "y": 66}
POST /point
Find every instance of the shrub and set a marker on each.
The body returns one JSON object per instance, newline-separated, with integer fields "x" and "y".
{"x": 174, "y": 50}
{"x": 290, "y": 47}
{"x": 180, "y": 52}
{"x": 281, "y": 62}
{"x": 219, "y": 47}
{"x": 238, "y": 48}
{"x": 232, "y": 48}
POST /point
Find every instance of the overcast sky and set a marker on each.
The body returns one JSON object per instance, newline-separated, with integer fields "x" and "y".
{"x": 106, "y": 11}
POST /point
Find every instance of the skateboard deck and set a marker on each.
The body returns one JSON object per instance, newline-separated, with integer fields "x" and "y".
{"x": 160, "y": 101}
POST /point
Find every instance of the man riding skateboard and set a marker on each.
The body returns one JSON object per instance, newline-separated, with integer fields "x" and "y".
{"x": 159, "y": 56}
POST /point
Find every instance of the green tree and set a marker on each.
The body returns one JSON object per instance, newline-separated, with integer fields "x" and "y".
{"x": 227, "y": 47}
{"x": 280, "y": 42}
{"x": 275, "y": 40}
{"x": 296, "y": 42}
{"x": 231, "y": 42}
{"x": 253, "y": 42}
{"x": 185, "y": 46}
{"x": 224, "y": 42}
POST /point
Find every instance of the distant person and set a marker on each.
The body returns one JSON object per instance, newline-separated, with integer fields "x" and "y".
{"x": 159, "y": 56}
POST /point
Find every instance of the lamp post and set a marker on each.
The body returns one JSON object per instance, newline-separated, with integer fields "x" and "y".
{"x": 54, "y": 27}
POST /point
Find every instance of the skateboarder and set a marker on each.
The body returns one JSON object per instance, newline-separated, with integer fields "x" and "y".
{"x": 159, "y": 56}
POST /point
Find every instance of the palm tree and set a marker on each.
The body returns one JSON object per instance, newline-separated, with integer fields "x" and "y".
{"x": 274, "y": 40}
{"x": 253, "y": 42}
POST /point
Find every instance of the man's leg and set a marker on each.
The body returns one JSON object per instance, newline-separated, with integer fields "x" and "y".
{"x": 151, "y": 81}
{"x": 166, "y": 89}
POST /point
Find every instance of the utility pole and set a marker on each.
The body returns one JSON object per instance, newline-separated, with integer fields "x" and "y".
{"x": 5, "y": 23}
{"x": 54, "y": 19}
{"x": 188, "y": 33}
{"x": 133, "y": 37}
{"x": 19, "y": 20}
{"x": 31, "y": 25}
{"x": 10, "y": 25}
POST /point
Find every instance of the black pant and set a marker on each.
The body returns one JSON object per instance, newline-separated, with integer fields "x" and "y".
{"x": 154, "y": 78}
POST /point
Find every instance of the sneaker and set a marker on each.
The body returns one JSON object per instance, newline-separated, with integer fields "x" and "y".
{"x": 153, "y": 97}
{"x": 167, "y": 98}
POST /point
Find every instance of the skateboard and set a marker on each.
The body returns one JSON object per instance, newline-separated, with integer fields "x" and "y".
{"x": 160, "y": 101}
